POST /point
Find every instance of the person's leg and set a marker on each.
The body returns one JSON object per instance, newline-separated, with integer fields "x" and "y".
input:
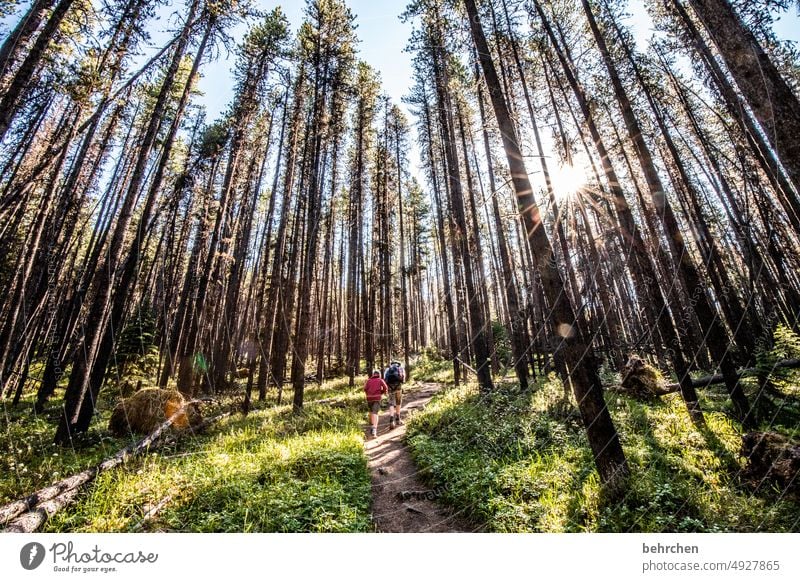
{"x": 394, "y": 400}
{"x": 374, "y": 409}
{"x": 398, "y": 402}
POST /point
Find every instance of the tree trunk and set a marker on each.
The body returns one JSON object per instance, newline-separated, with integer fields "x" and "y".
{"x": 22, "y": 78}
{"x": 715, "y": 337}
{"x": 87, "y": 373}
{"x": 581, "y": 366}
{"x": 479, "y": 328}
{"x": 769, "y": 96}
{"x": 16, "y": 42}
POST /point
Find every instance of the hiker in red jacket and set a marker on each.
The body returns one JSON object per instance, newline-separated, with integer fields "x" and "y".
{"x": 375, "y": 388}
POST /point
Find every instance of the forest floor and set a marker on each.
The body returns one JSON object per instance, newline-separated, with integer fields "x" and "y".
{"x": 270, "y": 471}
{"x": 518, "y": 461}
{"x": 512, "y": 461}
{"x": 401, "y": 502}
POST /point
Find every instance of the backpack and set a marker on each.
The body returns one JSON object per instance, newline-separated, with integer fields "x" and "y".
{"x": 393, "y": 375}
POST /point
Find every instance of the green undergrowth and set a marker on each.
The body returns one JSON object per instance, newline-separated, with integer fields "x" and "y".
{"x": 29, "y": 460}
{"x": 520, "y": 462}
{"x": 432, "y": 368}
{"x": 269, "y": 471}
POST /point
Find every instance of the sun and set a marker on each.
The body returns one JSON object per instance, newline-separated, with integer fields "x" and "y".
{"x": 568, "y": 180}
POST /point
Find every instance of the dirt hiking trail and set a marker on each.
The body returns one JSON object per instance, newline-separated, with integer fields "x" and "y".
{"x": 401, "y": 502}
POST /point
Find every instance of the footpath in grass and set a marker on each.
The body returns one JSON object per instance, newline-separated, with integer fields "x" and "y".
{"x": 520, "y": 462}
{"x": 400, "y": 502}
{"x": 270, "y": 471}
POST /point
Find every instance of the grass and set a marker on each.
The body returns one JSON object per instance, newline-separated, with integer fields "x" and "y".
{"x": 431, "y": 368}
{"x": 520, "y": 462}
{"x": 269, "y": 471}
{"x": 514, "y": 461}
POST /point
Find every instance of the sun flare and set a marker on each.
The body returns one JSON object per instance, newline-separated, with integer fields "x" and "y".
{"x": 568, "y": 180}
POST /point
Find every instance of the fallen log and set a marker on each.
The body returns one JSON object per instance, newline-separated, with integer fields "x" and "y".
{"x": 467, "y": 366}
{"x": 706, "y": 381}
{"x": 15, "y": 508}
{"x": 47, "y": 501}
{"x": 32, "y": 520}
{"x": 173, "y": 438}
{"x": 152, "y": 512}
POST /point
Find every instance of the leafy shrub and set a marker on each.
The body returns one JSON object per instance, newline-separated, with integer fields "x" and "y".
{"x": 432, "y": 367}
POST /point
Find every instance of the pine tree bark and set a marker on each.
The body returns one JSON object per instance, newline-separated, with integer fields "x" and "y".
{"x": 87, "y": 370}
{"x": 444, "y": 267}
{"x": 581, "y": 367}
{"x": 716, "y": 340}
{"x": 405, "y": 333}
{"x": 519, "y": 340}
{"x": 16, "y": 42}
{"x": 478, "y": 325}
{"x": 769, "y": 96}
{"x": 22, "y": 78}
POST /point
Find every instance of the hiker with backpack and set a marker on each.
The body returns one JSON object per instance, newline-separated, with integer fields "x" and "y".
{"x": 374, "y": 389}
{"x": 394, "y": 376}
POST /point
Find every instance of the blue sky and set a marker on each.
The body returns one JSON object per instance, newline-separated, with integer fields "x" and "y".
{"x": 383, "y": 41}
{"x": 383, "y": 38}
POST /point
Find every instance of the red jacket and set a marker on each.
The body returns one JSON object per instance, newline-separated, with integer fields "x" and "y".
{"x": 375, "y": 388}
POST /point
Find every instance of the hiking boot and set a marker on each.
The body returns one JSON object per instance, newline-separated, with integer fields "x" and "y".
{"x": 397, "y": 420}
{"x": 374, "y": 432}
{"x": 391, "y": 424}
